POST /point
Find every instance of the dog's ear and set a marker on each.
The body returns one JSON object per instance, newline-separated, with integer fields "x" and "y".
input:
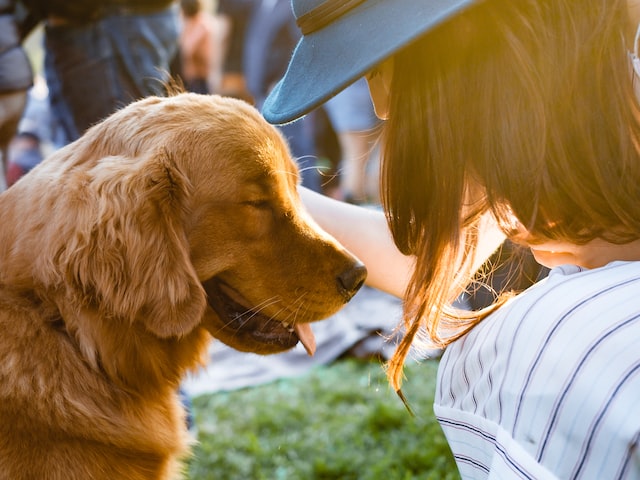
{"x": 131, "y": 255}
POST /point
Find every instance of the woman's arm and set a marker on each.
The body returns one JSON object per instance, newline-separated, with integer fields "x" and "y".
{"x": 364, "y": 232}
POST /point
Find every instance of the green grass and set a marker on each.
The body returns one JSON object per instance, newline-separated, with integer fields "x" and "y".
{"x": 340, "y": 421}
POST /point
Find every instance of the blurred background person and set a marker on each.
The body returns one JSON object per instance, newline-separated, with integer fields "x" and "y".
{"x": 16, "y": 77}
{"x": 201, "y": 47}
{"x": 37, "y": 134}
{"x": 355, "y": 124}
{"x": 100, "y": 56}
{"x": 270, "y": 34}
{"x": 234, "y": 15}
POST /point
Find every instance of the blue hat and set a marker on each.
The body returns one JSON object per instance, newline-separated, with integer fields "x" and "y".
{"x": 344, "y": 39}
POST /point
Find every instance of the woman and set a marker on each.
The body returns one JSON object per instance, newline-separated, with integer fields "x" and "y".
{"x": 519, "y": 115}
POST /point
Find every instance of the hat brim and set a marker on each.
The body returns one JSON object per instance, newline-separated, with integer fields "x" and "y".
{"x": 325, "y": 62}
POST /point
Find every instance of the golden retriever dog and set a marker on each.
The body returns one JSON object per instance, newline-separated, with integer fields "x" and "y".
{"x": 173, "y": 221}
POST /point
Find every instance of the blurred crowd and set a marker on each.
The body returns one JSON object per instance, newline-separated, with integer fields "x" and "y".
{"x": 64, "y": 66}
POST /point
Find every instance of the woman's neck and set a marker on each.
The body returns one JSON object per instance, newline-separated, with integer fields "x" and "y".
{"x": 596, "y": 253}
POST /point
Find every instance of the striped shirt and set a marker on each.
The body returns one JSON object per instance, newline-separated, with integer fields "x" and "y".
{"x": 549, "y": 385}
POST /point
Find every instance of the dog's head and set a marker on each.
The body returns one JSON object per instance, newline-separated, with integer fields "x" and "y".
{"x": 183, "y": 211}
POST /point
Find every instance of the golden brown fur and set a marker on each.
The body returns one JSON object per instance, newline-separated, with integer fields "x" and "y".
{"x": 119, "y": 257}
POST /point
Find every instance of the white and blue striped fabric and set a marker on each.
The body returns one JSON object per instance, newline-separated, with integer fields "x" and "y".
{"x": 549, "y": 385}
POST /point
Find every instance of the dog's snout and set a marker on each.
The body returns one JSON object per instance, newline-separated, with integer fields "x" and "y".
{"x": 350, "y": 281}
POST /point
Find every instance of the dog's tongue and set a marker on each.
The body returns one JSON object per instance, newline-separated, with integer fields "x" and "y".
{"x": 305, "y": 334}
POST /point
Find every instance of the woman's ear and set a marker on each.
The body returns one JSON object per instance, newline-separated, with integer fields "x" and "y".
{"x": 634, "y": 21}
{"x": 134, "y": 261}
{"x": 379, "y": 80}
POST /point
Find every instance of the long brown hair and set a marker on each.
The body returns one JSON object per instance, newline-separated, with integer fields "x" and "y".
{"x": 529, "y": 106}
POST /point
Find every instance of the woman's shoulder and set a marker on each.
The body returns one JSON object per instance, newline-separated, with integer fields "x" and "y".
{"x": 573, "y": 299}
{"x": 557, "y": 368}
{"x": 575, "y": 320}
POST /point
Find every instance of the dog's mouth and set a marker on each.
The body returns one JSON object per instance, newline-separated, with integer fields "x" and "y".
{"x": 247, "y": 329}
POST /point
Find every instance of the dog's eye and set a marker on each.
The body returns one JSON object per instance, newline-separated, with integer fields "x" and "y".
{"x": 258, "y": 203}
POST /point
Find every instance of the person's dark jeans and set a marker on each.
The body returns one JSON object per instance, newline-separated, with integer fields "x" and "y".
{"x": 95, "y": 68}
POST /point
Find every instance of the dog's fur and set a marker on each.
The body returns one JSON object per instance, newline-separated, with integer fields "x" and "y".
{"x": 174, "y": 220}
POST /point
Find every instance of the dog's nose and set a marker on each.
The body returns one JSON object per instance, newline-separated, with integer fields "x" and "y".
{"x": 350, "y": 281}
